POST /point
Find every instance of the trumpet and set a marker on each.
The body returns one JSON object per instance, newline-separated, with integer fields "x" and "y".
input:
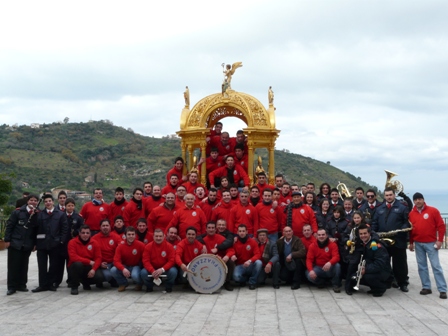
{"x": 396, "y": 185}
{"x": 343, "y": 191}
{"x": 358, "y": 277}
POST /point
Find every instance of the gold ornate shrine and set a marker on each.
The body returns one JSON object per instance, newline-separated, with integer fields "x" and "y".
{"x": 195, "y": 125}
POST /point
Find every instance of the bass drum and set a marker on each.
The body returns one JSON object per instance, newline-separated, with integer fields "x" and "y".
{"x": 207, "y": 273}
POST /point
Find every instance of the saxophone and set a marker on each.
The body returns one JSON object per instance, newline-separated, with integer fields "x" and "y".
{"x": 386, "y": 235}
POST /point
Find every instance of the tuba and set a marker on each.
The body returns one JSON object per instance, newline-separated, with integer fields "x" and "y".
{"x": 343, "y": 191}
{"x": 395, "y": 185}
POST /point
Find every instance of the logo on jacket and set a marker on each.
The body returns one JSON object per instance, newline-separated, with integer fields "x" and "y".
{"x": 219, "y": 165}
{"x": 122, "y": 208}
{"x": 302, "y": 211}
{"x": 75, "y": 221}
{"x": 425, "y": 216}
{"x": 195, "y": 251}
{"x": 327, "y": 249}
{"x": 234, "y": 172}
{"x": 272, "y": 210}
{"x": 111, "y": 242}
{"x": 123, "y": 237}
{"x": 101, "y": 209}
{"x": 193, "y": 213}
{"x": 163, "y": 254}
{"x": 145, "y": 241}
{"x": 242, "y": 163}
{"x": 227, "y": 147}
{"x": 89, "y": 247}
{"x": 248, "y": 247}
{"x": 248, "y": 212}
{"x": 134, "y": 251}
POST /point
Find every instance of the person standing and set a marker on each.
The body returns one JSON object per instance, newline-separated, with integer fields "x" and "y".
{"x": 426, "y": 237}
{"x": 52, "y": 230}
{"x": 94, "y": 212}
{"x": 20, "y": 239}
{"x": 393, "y": 215}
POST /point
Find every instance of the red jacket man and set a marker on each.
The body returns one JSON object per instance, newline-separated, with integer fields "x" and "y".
{"x": 94, "y": 212}
{"x": 161, "y": 216}
{"x": 243, "y": 213}
{"x": 135, "y": 209}
{"x": 298, "y": 214}
{"x": 237, "y": 172}
{"x": 189, "y": 215}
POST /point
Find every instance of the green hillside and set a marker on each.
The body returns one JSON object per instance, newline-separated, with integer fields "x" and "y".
{"x": 82, "y": 156}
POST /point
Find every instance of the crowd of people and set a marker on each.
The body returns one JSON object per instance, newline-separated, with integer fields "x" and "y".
{"x": 282, "y": 234}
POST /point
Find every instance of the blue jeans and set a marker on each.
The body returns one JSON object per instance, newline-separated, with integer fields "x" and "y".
{"x": 121, "y": 280}
{"x": 251, "y": 273}
{"x": 423, "y": 252}
{"x": 334, "y": 273}
{"x": 107, "y": 274}
{"x": 171, "y": 275}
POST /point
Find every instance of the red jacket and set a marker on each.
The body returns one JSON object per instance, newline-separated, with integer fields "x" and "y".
{"x": 171, "y": 172}
{"x": 246, "y": 251}
{"x": 222, "y": 149}
{"x": 238, "y": 174}
{"x": 308, "y": 241}
{"x": 222, "y": 211}
{"x": 94, "y": 214}
{"x": 149, "y": 237}
{"x": 212, "y": 241}
{"x": 157, "y": 256}
{"x": 128, "y": 255}
{"x": 132, "y": 214}
{"x": 241, "y": 214}
{"x": 317, "y": 256}
{"x": 212, "y": 165}
{"x": 285, "y": 199}
{"x": 186, "y": 252}
{"x": 263, "y": 187}
{"x": 186, "y": 217}
{"x": 108, "y": 245}
{"x": 301, "y": 216}
{"x": 116, "y": 210}
{"x": 427, "y": 226}
{"x": 269, "y": 218}
{"x": 192, "y": 187}
{"x": 78, "y": 252}
{"x": 208, "y": 209}
{"x": 160, "y": 217}
{"x": 243, "y": 162}
{"x": 169, "y": 188}
{"x": 151, "y": 203}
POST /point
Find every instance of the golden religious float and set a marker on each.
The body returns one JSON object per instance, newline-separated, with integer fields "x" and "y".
{"x": 195, "y": 123}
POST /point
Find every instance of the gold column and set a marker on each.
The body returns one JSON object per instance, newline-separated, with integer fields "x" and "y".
{"x": 184, "y": 156}
{"x": 250, "y": 163}
{"x": 271, "y": 164}
{"x": 204, "y": 171}
{"x": 190, "y": 157}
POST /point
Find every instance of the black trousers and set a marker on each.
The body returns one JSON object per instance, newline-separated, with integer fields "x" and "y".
{"x": 230, "y": 268}
{"x": 47, "y": 263}
{"x": 61, "y": 264}
{"x": 17, "y": 268}
{"x": 399, "y": 264}
{"x": 77, "y": 273}
{"x": 375, "y": 282}
{"x": 291, "y": 276}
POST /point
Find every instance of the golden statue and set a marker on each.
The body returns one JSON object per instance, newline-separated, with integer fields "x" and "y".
{"x": 270, "y": 96}
{"x": 259, "y": 169}
{"x": 194, "y": 168}
{"x": 187, "y": 97}
{"x": 228, "y": 73}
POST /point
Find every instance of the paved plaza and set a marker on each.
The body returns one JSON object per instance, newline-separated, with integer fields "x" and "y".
{"x": 265, "y": 311}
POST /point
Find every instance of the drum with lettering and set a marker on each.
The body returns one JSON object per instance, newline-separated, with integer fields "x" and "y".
{"x": 207, "y": 273}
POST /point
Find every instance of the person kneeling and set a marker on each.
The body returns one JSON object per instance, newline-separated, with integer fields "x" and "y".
{"x": 376, "y": 272}
{"x": 84, "y": 260}
{"x": 322, "y": 262}
{"x": 159, "y": 260}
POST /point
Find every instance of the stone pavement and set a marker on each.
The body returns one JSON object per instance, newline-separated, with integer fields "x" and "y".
{"x": 264, "y": 311}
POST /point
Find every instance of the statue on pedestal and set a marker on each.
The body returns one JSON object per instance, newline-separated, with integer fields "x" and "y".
{"x": 228, "y": 73}
{"x": 270, "y": 96}
{"x": 187, "y": 97}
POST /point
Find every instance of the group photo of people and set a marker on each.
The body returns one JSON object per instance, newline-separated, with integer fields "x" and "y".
{"x": 279, "y": 235}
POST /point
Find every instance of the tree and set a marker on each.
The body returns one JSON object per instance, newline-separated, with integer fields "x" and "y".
{"x": 66, "y": 119}
{"x": 5, "y": 188}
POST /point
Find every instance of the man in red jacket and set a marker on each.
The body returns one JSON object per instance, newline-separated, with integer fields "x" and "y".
{"x": 154, "y": 200}
{"x": 247, "y": 257}
{"x": 210, "y": 203}
{"x": 161, "y": 216}
{"x": 269, "y": 217}
{"x": 135, "y": 209}
{"x": 243, "y": 213}
{"x": 222, "y": 210}
{"x": 426, "y": 236}
{"x": 177, "y": 170}
{"x": 232, "y": 172}
{"x": 188, "y": 215}
{"x": 142, "y": 233}
{"x": 308, "y": 237}
{"x": 188, "y": 249}
{"x": 322, "y": 262}
{"x": 108, "y": 242}
{"x": 127, "y": 261}
{"x": 192, "y": 183}
{"x": 84, "y": 261}
{"x": 158, "y": 260}
{"x": 263, "y": 183}
{"x": 117, "y": 206}
{"x": 298, "y": 214}
{"x": 95, "y": 211}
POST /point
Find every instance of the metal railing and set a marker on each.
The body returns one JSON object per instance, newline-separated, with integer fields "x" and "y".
{"x": 445, "y": 241}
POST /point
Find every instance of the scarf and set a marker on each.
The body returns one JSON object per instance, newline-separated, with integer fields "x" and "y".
{"x": 288, "y": 210}
{"x": 141, "y": 235}
{"x": 230, "y": 175}
{"x": 139, "y": 203}
{"x": 96, "y": 202}
{"x": 116, "y": 202}
{"x": 254, "y": 201}
{"x": 267, "y": 203}
{"x": 156, "y": 198}
{"x": 84, "y": 242}
{"x": 119, "y": 231}
{"x": 243, "y": 240}
{"x": 323, "y": 244}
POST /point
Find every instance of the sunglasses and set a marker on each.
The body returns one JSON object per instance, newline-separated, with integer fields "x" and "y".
{"x": 370, "y": 196}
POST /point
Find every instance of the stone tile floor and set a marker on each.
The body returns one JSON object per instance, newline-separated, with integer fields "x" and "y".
{"x": 264, "y": 311}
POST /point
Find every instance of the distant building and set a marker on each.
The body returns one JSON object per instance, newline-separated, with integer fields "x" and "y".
{"x": 35, "y": 125}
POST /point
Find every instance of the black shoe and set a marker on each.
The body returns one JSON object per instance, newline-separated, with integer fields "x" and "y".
{"x": 168, "y": 290}
{"x": 22, "y": 289}
{"x": 86, "y": 287}
{"x": 11, "y": 292}
{"x": 404, "y": 288}
{"x": 425, "y": 291}
{"x": 99, "y": 285}
{"x": 52, "y": 288}
{"x": 336, "y": 289}
{"x": 442, "y": 295}
{"x": 55, "y": 285}
{"x": 149, "y": 290}
{"x": 321, "y": 286}
{"x": 113, "y": 283}
{"x": 377, "y": 294}
{"x": 252, "y": 287}
{"x": 276, "y": 286}
{"x": 295, "y": 286}
{"x": 348, "y": 292}
{"x": 242, "y": 284}
{"x": 74, "y": 291}
{"x": 39, "y": 289}
{"x": 228, "y": 286}
{"x": 370, "y": 292}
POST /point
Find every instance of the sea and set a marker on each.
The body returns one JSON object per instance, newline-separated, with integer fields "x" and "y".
{"x": 437, "y": 199}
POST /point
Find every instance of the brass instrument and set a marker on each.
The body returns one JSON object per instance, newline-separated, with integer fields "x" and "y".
{"x": 343, "y": 191}
{"x": 386, "y": 235}
{"x": 358, "y": 277}
{"x": 351, "y": 242}
{"x": 396, "y": 185}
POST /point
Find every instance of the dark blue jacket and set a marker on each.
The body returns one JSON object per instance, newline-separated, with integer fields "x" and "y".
{"x": 17, "y": 233}
{"x": 52, "y": 229}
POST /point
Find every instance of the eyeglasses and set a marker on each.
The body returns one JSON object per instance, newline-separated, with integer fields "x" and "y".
{"x": 370, "y": 196}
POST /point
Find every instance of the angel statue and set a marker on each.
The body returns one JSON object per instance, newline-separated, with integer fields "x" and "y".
{"x": 228, "y": 73}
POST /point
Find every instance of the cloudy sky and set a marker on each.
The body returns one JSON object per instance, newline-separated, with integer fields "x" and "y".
{"x": 362, "y": 84}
